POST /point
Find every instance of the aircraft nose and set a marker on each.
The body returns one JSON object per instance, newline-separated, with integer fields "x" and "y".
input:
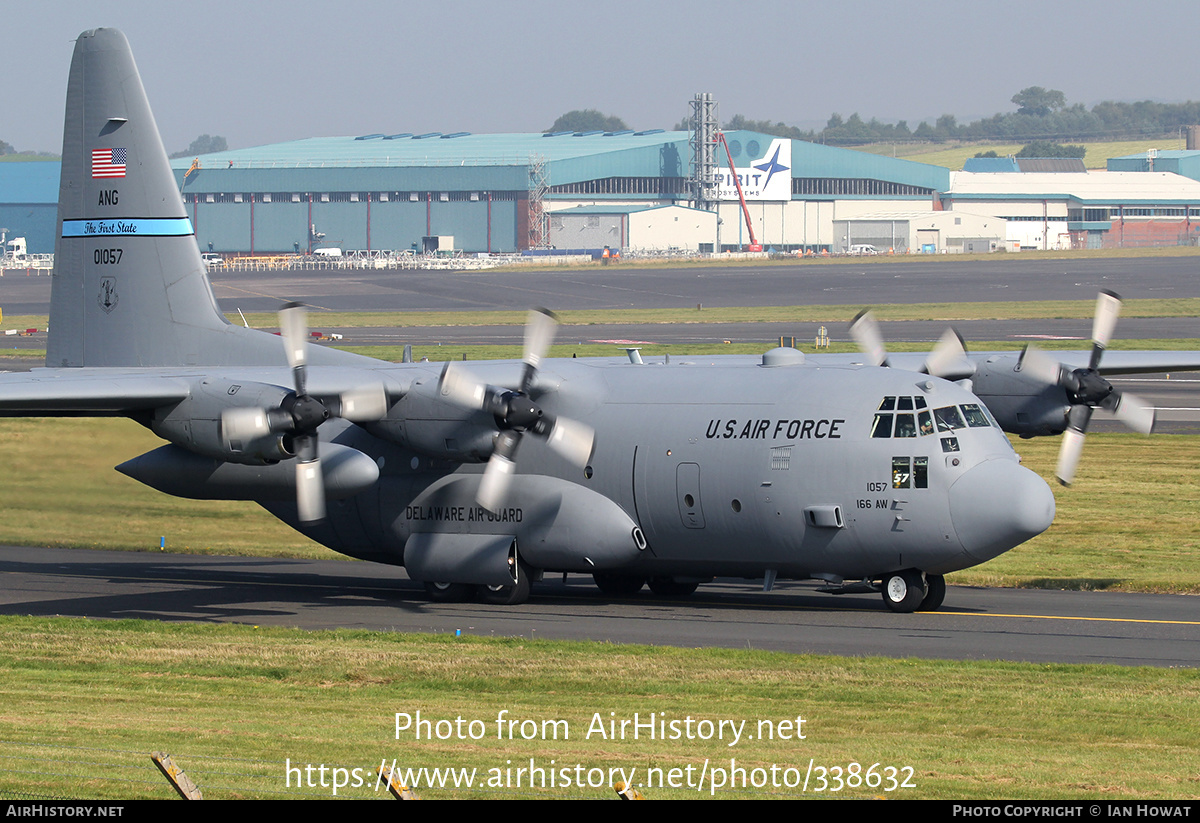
{"x": 998, "y": 505}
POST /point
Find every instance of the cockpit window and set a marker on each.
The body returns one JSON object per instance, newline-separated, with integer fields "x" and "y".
{"x": 882, "y": 426}
{"x": 912, "y": 418}
{"x": 906, "y": 426}
{"x": 949, "y": 419}
{"x": 975, "y": 416}
{"x": 926, "y": 423}
{"x": 920, "y": 472}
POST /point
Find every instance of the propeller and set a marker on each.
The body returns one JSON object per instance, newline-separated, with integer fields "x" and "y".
{"x": 864, "y": 329}
{"x": 299, "y": 415}
{"x": 947, "y": 359}
{"x": 1086, "y": 389}
{"x": 516, "y": 413}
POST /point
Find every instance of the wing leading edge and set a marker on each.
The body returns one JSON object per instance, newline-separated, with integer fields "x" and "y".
{"x": 87, "y": 392}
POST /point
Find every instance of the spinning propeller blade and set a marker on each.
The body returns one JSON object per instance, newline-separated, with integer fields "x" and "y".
{"x": 1087, "y": 390}
{"x": 516, "y": 413}
{"x": 300, "y": 414}
{"x": 865, "y": 331}
{"x": 947, "y": 359}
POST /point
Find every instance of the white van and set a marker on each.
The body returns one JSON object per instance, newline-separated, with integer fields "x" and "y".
{"x": 863, "y": 248}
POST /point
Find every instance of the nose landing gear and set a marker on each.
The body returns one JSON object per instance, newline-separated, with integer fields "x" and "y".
{"x": 910, "y": 590}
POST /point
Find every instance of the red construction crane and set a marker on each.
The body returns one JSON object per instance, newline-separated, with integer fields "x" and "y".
{"x": 754, "y": 244}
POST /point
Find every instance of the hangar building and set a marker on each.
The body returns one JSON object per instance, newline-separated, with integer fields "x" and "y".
{"x": 388, "y": 192}
{"x": 631, "y": 190}
{"x": 1100, "y": 209}
{"x": 29, "y": 202}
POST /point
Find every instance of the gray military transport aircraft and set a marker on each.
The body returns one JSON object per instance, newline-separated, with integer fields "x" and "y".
{"x": 866, "y": 478}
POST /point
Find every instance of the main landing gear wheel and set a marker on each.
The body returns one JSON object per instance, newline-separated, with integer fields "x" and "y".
{"x": 670, "y": 587}
{"x": 618, "y": 585}
{"x": 904, "y": 591}
{"x": 936, "y": 585}
{"x": 509, "y": 595}
{"x": 449, "y": 592}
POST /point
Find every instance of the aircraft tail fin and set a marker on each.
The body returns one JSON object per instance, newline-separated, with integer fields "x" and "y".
{"x": 130, "y": 288}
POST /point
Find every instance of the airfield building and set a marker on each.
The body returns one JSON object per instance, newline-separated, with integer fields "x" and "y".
{"x": 626, "y": 190}
{"x": 504, "y": 193}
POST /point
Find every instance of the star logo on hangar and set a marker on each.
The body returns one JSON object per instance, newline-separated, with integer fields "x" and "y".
{"x": 771, "y": 166}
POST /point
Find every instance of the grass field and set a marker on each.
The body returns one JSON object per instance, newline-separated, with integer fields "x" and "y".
{"x": 952, "y": 156}
{"x": 82, "y": 703}
{"x": 948, "y": 312}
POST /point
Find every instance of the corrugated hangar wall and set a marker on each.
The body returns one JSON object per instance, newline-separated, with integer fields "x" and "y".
{"x": 254, "y": 226}
{"x": 269, "y": 210}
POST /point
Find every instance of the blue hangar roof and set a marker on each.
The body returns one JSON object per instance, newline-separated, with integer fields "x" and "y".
{"x": 500, "y": 161}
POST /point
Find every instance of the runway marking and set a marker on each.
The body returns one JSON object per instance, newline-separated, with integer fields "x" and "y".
{"x": 770, "y": 606}
{"x": 262, "y": 294}
{"x": 1071, "y": 617}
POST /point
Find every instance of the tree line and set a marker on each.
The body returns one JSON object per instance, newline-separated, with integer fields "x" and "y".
{"x": 1042, "y": 114}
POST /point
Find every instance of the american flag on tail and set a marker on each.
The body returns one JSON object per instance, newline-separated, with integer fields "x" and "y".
{"x": 109, "y": 162}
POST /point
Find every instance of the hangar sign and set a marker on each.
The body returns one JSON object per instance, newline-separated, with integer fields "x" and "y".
{"x": 766, "y": 178}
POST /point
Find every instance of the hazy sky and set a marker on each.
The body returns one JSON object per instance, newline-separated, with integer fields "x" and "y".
{"x": 262, "y": 71}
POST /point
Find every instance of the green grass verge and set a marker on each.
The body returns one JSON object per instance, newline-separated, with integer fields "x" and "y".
{"x": 681, "y": 315}
{"x": 948, "y": 312}
{"x": 232, "y": 704}
{"x": 28, "y": 157}
{"x": 61, "y": 490}
{"x": 954, "y": 156}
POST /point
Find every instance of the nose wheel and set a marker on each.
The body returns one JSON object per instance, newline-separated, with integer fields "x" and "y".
{"x": 935, "y": 593}
{"x": 904, "y": 591}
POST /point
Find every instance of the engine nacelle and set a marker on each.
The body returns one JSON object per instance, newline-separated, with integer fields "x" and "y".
{"x": 195, "y": 423}
{"x": 170, "y": 469}
{"x": 558, "y": 525}
{"x": 1021, "y": 403}
{"x": 428, "y": 424}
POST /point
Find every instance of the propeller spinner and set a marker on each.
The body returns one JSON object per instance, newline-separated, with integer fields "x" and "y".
{"x": 516, "y": 413}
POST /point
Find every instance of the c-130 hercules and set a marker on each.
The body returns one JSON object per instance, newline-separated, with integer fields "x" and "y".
{"x": 864, "y": 477}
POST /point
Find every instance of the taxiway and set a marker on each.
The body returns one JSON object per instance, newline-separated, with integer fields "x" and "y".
{"x": 974, "y": 624}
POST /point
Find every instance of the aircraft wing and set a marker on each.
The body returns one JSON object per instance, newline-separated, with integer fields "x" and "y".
{"x": 86, "y": 392}
{"x": 1133, "y": 362}
{"x": 1114, "y": 362}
